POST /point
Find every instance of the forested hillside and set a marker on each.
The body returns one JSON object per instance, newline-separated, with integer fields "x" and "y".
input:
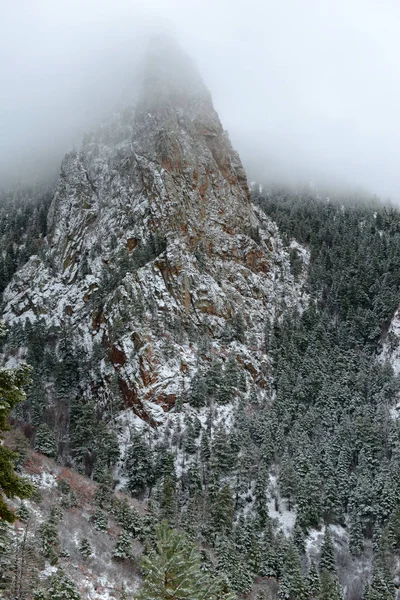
{"x": 23, "y": 225}
{"x": 290, "y": 490}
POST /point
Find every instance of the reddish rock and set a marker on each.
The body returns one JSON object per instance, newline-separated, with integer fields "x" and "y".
{"x": 131, "y": 244}
{"x": 117, "y": 356}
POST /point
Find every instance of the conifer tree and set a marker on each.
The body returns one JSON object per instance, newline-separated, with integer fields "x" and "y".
{"x": 168, "y": 500}
{"x": 291, "y": 584}
{"x": 222, "y": 510}
{"x": 12, "y": 382}
{"x": 61, "y": 587}
{"x": 287, "y": 480}
{"x": 355, "y": 535}
{"x": 298, "y": 537}
{"x": 327, "y": 558}
{"x": 139, "y": 466}
{"x": 123, "y": 547}
{"x": 380, "y": 587}
{"x": 172, "y": 569}
{"x": 99, "y": 520}
{"x": 45, "y": 441}
{"x": 6, "y": 563}
{"x": 85, "y": 549}
{"x": 329, "y": 587}
{"x": 48, "y": 535}
{"x": 313, "y": 583}
{"x": 198, "y": 392}
{"x": 233, "y": 566}
{"x": 260, "y": 497}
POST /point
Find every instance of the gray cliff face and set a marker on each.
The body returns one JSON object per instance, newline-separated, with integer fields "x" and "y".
{"x": 151, "y": 232}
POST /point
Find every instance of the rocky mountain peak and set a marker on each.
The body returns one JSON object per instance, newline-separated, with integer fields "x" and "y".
{"x": 154, "y": 246}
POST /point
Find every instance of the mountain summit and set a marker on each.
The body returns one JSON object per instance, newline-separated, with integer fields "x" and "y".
{"x": 154, "y": 251}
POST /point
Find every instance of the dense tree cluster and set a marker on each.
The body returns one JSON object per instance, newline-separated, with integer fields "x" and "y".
{"x": 23, "y": 225}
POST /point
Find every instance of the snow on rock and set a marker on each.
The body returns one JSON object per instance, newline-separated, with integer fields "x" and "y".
{"x": 315, "y": 539}
{"x": 44, "y": 480}
{"x": 48, "y": 571}
{"x": 154, "y": 249}
{"x": 277, "y": 508}
{"x": 391, "y": 346}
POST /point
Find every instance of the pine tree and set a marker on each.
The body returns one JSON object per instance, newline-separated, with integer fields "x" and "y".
{"x": 129, "y": 519}
{"x": 99, "y": 520}
{"x": 48, "y": 535}
{"x": 380, "y": 588}
{"x": 223, "y": 454}
{"x": 327, "y": 558}
{"x": 260, "y": 497}
{"x": 291, "y": 584}
{"x": 173, "y": 570}
{"x": 356, "y": 540}
{"x": 11, "y": 394}
{"x": 45, "y": 441}
{"x": 85, "y": 549}
{"x": 168, "y": 500}
{"x": 198, "y": 392}
{"x": 298, "y": 537}
{"x": 222, "y": 510}
{"x": 6, "y": 563}
{"x": 139, "y": 466}
{"x": 313, "y": 583}
{"x": 23, "y": 513}
{"x": 308, "y": 498}
{"x": 62, "y": 587}
{"x": 233, "y": 566}
{"x": 287, "y": 480}
{"x": 329, "y": 587}
{"x": 190, "y": 438}
{"x": 123, "y": 548}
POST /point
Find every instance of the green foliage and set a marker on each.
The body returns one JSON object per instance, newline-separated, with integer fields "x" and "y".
{"x": 327, "y": 558}
{"x": 354, "y": 252}
{"x": 48, "y": 535}
{"x": 329, "y": 587}
{"x": 139, "y": 466}
{"x": 222, "y": 510}
{"x": 172, "y": 569}
{"x": 99, "y": 520}
{"x": 123, "y": 547}
{"x": 61, "y": 587}
{"x": 6, "y": 562}
{"x": 45, "y": 441}
{"x": 292, "y": 585}
{"x": 313, "y": 582}
{"x": 12, "y": 382}
{"x": 231, "y": 563}
{"x": 85, "y": 549}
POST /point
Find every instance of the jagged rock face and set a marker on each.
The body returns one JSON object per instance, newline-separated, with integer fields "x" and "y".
{"x": 158, "y": 187}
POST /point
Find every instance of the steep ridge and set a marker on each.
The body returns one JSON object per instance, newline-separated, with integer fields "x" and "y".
{"x": 154, "y": 250}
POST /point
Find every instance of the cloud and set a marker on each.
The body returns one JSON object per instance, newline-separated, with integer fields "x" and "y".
{"x": 307, "y": 89}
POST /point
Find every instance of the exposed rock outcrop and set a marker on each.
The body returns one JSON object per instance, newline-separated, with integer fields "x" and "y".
{"x": 154, "y": 245}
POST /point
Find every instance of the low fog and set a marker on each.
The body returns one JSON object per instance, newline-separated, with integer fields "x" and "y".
{"x": 308, "y": 89}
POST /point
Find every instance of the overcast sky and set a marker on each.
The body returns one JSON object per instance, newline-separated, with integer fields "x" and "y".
{"x": 308, "y": 89}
